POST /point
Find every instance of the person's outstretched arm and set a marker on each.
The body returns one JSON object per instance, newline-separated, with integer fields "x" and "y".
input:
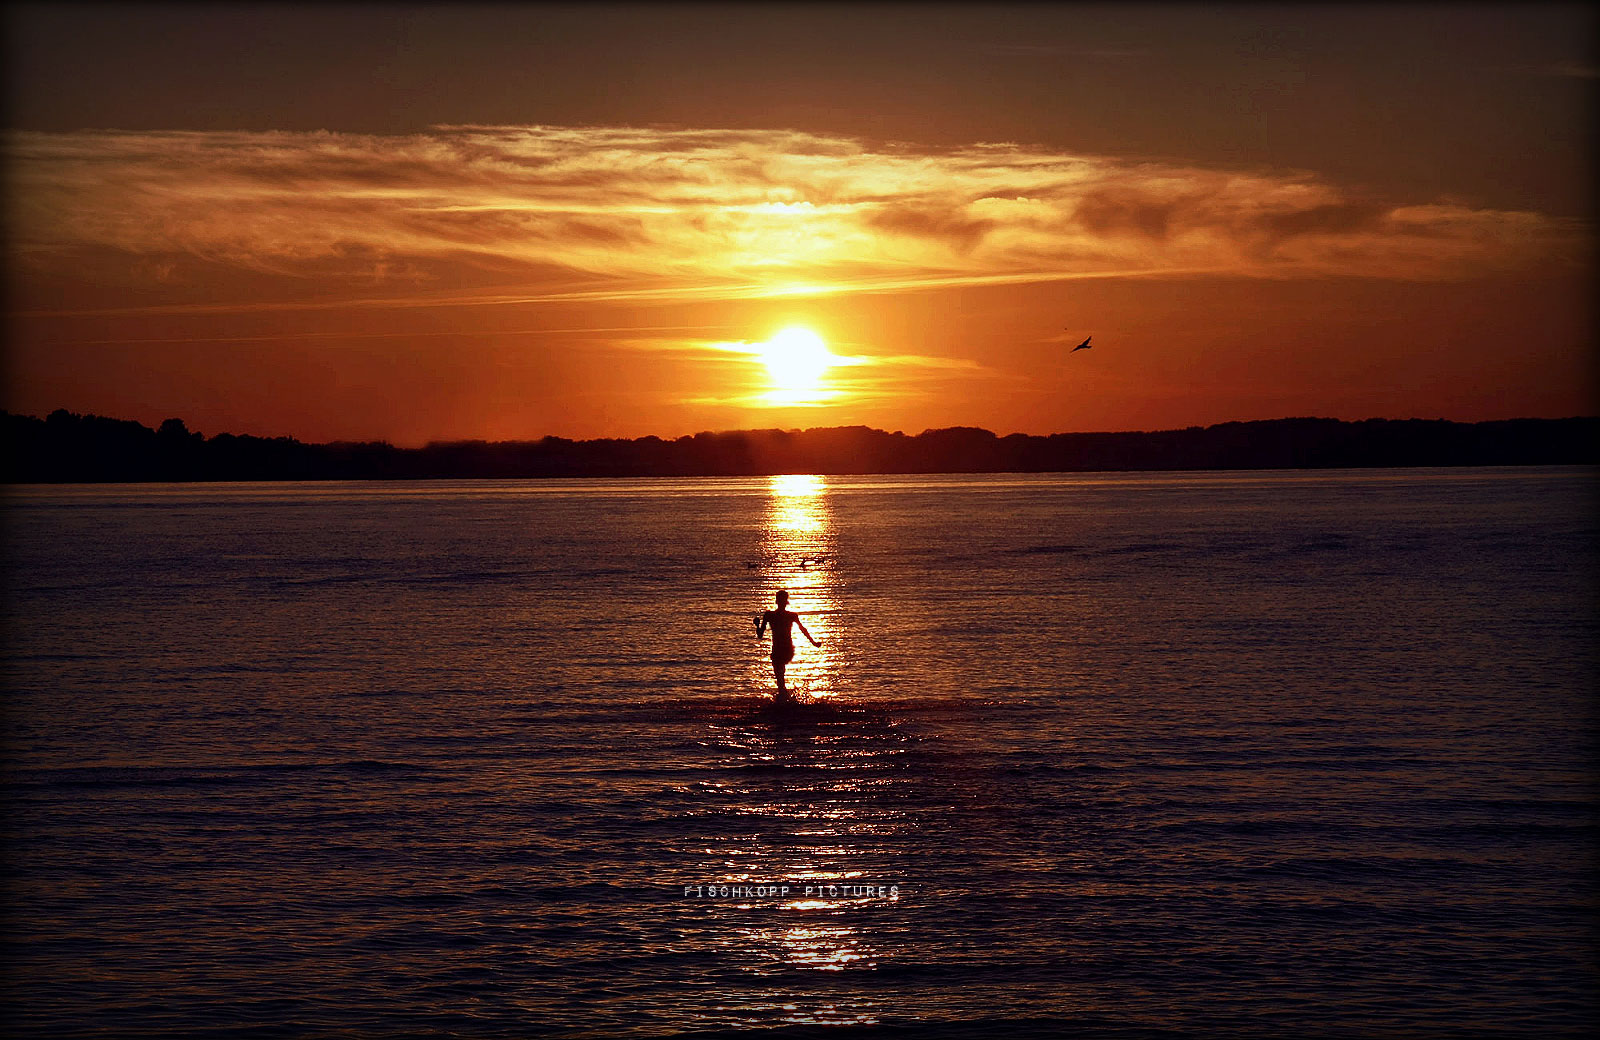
{"x": 761, "y": 625}
{"x": 801, "y": 625}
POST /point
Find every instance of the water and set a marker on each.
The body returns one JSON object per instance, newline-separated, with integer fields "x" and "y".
{"x": 1230, "y": 753}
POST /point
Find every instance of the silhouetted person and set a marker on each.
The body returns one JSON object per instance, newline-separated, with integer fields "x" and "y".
{"x": 781, "y": 621}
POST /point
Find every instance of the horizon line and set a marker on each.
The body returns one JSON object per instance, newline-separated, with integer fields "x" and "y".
{"x": 799, "y": 430}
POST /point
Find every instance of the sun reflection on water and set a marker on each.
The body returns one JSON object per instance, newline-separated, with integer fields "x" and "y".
{"x": 806, "y": 803}
{"x": 798, "y": 545}
{"x": 822, "y": 946}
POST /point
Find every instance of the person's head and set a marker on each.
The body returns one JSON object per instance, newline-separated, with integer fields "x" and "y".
{"x": 782, "y": 598}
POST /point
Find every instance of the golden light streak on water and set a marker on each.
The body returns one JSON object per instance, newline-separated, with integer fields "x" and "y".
{"x": 798, "y": 549}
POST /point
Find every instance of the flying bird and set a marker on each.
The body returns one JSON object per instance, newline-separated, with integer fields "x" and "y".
{"x": 1081, "y": 346}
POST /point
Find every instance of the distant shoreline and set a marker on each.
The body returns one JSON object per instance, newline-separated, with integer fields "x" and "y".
{"x": 69, "y": 448}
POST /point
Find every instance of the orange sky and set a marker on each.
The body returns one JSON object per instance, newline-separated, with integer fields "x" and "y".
{"x": 551, "y": 276}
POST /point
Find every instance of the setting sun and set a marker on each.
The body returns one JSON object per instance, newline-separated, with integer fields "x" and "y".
{"x": 797, "y": 360}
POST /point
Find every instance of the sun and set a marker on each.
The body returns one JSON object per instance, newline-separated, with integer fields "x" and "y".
{"x": 797, "y": 359}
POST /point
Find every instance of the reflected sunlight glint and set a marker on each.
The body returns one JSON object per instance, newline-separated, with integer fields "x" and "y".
{"x": 799, "y": 550}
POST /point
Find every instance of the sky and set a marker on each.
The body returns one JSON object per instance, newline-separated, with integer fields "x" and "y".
{"x": 444, "y": 222}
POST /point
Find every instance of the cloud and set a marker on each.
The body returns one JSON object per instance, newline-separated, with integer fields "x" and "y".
{"x": 654, "y": 213}
{"x": 853, "y": 378}
{"x": 1572, "y": 70}
{"x": 1064, "y": 50}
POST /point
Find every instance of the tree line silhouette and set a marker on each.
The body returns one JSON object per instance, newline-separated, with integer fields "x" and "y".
{"x": 67, "y": 447}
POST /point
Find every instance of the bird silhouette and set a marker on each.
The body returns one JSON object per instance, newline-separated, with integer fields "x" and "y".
{"x": 1081, "y": 346}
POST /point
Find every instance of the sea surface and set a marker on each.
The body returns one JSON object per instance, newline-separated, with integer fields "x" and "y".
{"x": 1242, "y": 754}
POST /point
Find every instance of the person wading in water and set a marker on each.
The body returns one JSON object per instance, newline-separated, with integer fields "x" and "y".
{"x": 781, "y": 621}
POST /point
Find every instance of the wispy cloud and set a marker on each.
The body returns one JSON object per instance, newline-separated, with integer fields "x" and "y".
{"x": 1065, "y": 50}
{"x": 1573, "y": 70}
{"x": 574, "y": 213}
{"x": 853, "y": 378}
